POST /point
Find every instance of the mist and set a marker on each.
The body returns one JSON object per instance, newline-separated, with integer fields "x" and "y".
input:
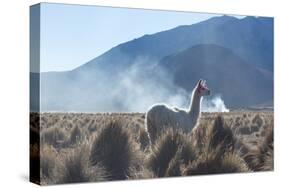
{"x": 141, "y": 86}
{"x": 130, "y": 89}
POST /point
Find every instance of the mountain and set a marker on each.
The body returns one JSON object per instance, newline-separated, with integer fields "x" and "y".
{"x": 235, "y": 56}
{"x": 251, "y": 38}
{"x": 241, "y": 84}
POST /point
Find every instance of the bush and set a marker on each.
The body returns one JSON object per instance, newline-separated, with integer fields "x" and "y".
{"x": 143, "y": 139}
{"x": 75, "y": 135}
{"x": 199, "y": 136}
{"x": 258, "y": 120}
{"x": 215, "y": 163}
{"x": 53, "y": 136}
{"x": 48, "y": 164}
{"x": 115, "y": 150}
{"x": 76, "y": 168}
{"x": 268, "y": 141}
{"x": 220, "y": 135}
{"x": 233, "y": 163}
{"x": 141, "y": 173}
{"x": 246, "y": 130}
{"x": 261, "y": 159}
{"x": 171, "y": 150}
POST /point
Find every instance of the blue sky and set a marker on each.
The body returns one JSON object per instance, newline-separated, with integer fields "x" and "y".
{"x": 71, "y": 35}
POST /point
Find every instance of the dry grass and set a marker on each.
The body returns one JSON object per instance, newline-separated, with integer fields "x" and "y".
{"x": 220, "y": 137}
{"x": 213, "y": 163}
{"x": 52, "y": 136}
{"x": 75, "y": 136}
{"x": 170, "y": 150}
{"x": 114, "y": 148}
{"x": 48, "y": 164}
{"x": 80, "y": 147}
{"x": 76, "y": 167}
{"x": 261, "y": 157}
{"x": 143, "y": 139}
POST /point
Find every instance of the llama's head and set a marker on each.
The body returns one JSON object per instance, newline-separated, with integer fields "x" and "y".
{"x": 202, "y": 89}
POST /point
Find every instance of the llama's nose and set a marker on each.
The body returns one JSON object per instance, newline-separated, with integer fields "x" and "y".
{"x": 209, "y": 92}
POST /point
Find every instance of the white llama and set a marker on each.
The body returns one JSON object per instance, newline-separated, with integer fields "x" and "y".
{"x": 160, "y": 115}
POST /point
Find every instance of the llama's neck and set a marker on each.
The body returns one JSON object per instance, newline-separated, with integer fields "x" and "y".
{"x": 194, "y": 109}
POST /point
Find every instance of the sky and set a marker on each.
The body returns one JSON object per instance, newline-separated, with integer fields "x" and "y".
{"x": 72, "y": 35}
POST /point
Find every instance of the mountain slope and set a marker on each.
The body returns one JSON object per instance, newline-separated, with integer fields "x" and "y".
{"x": 240, "y": 84}
{"x": 251, "y": 38}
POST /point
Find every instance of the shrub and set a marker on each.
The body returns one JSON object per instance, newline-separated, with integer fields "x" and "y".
{"x": 76, "y": 168}
{"x": 174, "y": 167}
{"x": 185, "y": 155}
{"x": 220, "y": 135}
{"x": 75, "y": 135}
{"x": 233, "y": 163}
{"x": 171, "y": 150}
{"x": 115, "y": 150}
{"x": 268, "y": 160}
{"x": 254, "y": 128}
{"x": 141, "y": 173}
{"x": 258, "y": 120}
{"x": 241, "y": 148}
{"x": 245, "y": 130}
{"x": 143, "y": 139}
{"x": 268, "y": 141}
{"x": 215, "y": 163}
{"x": 199, "y": 136}
{"x": 53, "y": 136}
{"x": 261, "y": 159}
{"x": 92, "y": 126}
{"x": 48, "y": 164}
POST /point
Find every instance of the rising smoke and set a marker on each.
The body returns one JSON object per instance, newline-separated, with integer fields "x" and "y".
{"x": 144, "y": 87}
{"x": 132, "y": 89}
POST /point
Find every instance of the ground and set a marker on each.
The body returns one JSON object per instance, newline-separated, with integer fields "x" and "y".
{"x": 79, "y": 141}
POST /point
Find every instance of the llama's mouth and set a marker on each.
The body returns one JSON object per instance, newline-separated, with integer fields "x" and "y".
{"x": 209, "y": 92}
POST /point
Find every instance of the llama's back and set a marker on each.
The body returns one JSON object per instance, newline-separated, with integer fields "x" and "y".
{"x": 158, "y": 117}
{"x": 151, "y": 121}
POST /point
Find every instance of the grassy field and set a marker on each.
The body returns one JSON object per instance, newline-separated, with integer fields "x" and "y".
{"x": 80, "y": 147}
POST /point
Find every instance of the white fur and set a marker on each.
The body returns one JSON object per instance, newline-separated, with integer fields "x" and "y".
{"x": 161, "y": 115}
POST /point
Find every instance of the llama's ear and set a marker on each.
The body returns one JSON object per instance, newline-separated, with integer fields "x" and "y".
{"x": 200, "y": 82}
{"x": 204, "y": 83}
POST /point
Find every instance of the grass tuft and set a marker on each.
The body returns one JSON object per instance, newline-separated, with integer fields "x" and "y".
{"x": 115, "y": 150}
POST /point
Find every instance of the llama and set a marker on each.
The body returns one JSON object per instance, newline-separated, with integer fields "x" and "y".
{"x": 161, "y": 115}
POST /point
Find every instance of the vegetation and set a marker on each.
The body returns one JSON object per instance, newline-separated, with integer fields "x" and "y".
{"x": 79, "y": 147}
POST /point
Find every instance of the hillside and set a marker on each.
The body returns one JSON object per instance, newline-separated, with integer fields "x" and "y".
{"x": 241, "y": 84}
{"x": 251, "y": 38}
